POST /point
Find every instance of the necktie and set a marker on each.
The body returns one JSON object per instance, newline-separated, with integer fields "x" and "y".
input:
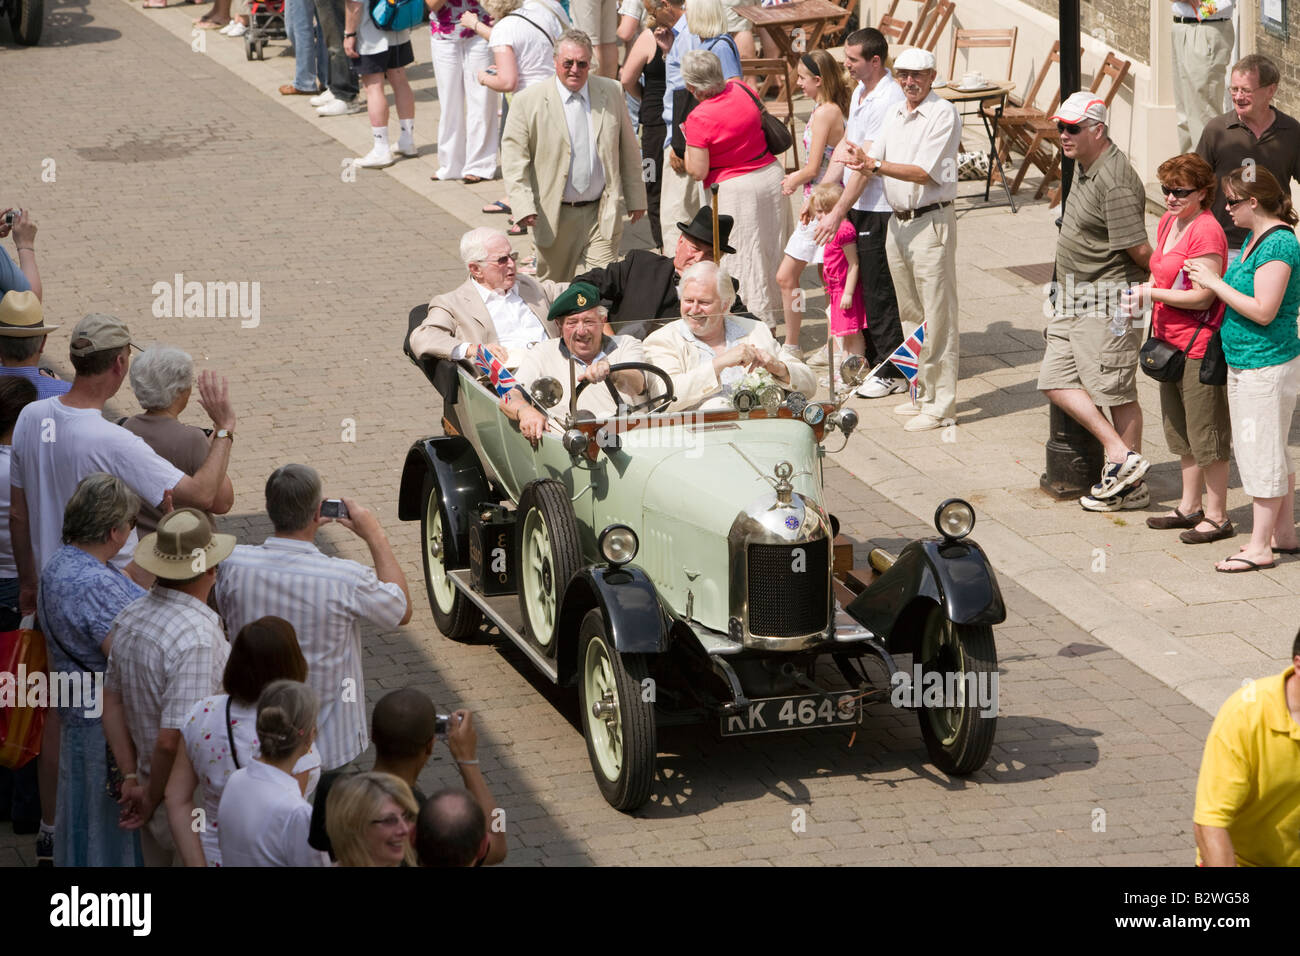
{"x": 580, "y": 171}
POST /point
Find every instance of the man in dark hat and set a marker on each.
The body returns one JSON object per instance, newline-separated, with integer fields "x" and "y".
{"x": 640, "y": 290}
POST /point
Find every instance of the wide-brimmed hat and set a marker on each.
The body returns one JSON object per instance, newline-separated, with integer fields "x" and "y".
{"x": 21, "y": 315}
{"x": 183, "y": 547}
{"x": 701, "y": 229}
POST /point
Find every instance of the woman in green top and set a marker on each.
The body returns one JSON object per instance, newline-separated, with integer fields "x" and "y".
{"x": 1262, "y": 292}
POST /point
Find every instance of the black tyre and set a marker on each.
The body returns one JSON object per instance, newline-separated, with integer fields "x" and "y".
{"x": 456, "y": 615}
{"x": 617, "y": 720}
{"x": 250, "y": 49}
{"x": 550, "y": 554}
{"x": 27, "y": 19}
{"x": 957, "y": 737}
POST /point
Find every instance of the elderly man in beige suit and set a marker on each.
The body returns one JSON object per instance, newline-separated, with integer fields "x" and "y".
{"x": 572, "y": 163}
{"x": 495, "y": 306}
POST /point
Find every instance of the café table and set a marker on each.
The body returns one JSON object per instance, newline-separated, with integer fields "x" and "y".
{"x": 991, "y": 90}
{"x": 795, "y": 27}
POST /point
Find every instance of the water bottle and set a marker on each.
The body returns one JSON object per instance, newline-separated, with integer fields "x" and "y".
{"x": 1119, "y": 319}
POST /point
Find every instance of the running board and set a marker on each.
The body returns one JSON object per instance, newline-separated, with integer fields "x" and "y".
{"x": 503, "y": 611}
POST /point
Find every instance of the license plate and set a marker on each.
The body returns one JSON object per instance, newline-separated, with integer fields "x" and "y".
{"x": 771, "y": 715}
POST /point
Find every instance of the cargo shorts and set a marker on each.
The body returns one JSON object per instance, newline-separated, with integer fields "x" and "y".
{"x": 1082, "y": 353}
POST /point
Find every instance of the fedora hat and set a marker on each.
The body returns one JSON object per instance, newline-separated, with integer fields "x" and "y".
{"x": 21, "y": 315}
{"x": 701, "y": 229}
{"x": 170, "y": 551}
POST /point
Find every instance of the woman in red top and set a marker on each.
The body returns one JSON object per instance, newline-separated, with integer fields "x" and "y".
{"x": 1195, "y": 416}
{"x": 725, "y": 145}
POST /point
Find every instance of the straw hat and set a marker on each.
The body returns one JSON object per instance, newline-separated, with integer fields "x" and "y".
{"x": 21, "y": 315}
{"x": 183, "y": 547}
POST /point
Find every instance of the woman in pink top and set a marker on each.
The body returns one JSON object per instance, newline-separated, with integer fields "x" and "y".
{"x": 1195, "y": 416}
{"x": 725, "y": 145}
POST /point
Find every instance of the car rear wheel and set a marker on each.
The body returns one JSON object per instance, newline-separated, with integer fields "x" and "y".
{"x": 549, "y": 556}
{"x": 26, "y": 19}
{"x": 963, "y": 661}
{"x": 617, "y": 720}
{"x": 456, "y": 615}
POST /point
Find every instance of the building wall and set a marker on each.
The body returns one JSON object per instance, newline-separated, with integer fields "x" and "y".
{"x": 1286, "y": 54}
{"x": 1123, "y": 25}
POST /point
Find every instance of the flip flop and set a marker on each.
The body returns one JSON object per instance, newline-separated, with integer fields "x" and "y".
{"x": 496, "y": 208}
{"x": 516, "y": 229}
{"x": 471, "y": 180}
{"x": 1250, "y": 566}
{"x": 1286, "y": 550}
{"x": 202, "y": 24}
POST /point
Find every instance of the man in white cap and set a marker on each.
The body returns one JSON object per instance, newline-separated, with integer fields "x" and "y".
{"x": 168, "y": 652}
{"x": 1102, "y": 250}
{"x": 916, "y": 156}
{"x": 22, "y": 340}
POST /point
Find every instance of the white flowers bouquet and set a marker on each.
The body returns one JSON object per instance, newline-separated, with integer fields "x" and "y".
{"x": 734, "y": 379}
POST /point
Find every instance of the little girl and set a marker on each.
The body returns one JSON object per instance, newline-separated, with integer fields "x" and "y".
{"x": 848, "y": 314}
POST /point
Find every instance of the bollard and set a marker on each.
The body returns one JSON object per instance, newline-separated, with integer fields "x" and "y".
{"x": 1074, "y": 458}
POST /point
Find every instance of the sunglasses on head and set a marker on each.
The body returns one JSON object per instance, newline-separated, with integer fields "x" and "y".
{"x": 1072, "y": 128}
{"x": 1180, "y": 193}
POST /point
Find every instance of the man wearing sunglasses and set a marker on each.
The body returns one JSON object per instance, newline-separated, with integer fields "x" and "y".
{"x": 495, "y": 306}
{"x": 1102, "y": 250}
{"x": 572, "y": 163}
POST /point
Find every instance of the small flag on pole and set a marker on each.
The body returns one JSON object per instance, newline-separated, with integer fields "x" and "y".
{"x": 501, "y": 378}
{"x": 907, "y": 357}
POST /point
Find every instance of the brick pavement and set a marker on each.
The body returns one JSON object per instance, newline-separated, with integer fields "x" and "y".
{"x": 186, "y": 169}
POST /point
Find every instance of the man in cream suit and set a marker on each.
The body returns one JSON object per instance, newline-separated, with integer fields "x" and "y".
{"x": 572, "y": 163}
{"x": 495, "y": 306}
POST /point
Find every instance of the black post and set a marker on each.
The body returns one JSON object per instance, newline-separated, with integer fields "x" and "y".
{"x": 1074, "y": 456}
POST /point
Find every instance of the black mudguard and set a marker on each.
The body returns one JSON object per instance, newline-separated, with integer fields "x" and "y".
{"x": 634, "y": 619}
{"x": 956, "y": 575}
{"x": 455, "y": 466}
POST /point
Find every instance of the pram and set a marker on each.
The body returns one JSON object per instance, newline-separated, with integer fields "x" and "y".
{"x": 265, "y": 22}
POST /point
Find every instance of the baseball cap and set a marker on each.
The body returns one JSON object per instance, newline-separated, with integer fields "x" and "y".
{"x": 1081, "y": 106}
{"x": 914, "y": 59}
{"x": 98, "y": 332}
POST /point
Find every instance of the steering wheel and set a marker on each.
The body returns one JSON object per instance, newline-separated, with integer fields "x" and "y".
{"x": 659, "y": 403}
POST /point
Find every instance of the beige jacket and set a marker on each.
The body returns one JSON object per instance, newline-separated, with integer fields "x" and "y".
{"x": 686, "y": 360}
{"x": 461, "y": 316}
{"x": 535, "y": 156}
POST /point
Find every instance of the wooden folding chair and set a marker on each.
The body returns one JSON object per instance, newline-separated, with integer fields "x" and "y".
{"x": 762, "y": 74}
{"x": 1045, "y": 148}
{"x": 833, "y": 35}
{"x": 933, "y": 22}
{"x": 983, "y": 40}
{"x": 1015, "y": 125}
{"x": 895, "y": 30}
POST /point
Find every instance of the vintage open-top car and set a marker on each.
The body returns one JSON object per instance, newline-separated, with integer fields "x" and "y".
{"x": 682, "y": 567}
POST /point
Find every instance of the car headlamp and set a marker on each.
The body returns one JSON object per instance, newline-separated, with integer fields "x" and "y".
{"x": 954, "y": 519}
{"x": 618, "y": 544}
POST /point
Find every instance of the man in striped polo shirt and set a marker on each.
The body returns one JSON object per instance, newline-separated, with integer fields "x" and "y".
{"x": 324, "y": 598}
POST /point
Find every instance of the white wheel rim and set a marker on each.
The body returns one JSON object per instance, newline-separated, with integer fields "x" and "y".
{"x": 606, "y": 733}
{"x": 444, "y": 592}
{"x": 539, "y": 582}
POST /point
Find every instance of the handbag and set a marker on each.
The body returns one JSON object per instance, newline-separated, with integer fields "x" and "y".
{"x": 397, "y": 15}
{"x": 113, "y": 778}
{"x": 777, "y": 134}
{"x": 1214, "y": 367}
{"x": 22, "y": 653}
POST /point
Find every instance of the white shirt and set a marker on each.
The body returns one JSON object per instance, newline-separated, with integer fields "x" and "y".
{"x": 1189, "y": 10}
{"x": 865, "y": 123}
{"x": 596, "y": 183}
{"x": 8, "y": 569}
{"x": 928, "y": 136}
{"x": 371, "y": 39}
{"x": 55, "y": 446}
{"x": 534, "y": 56}
{"x": 325, "y": 599}
{"x": 207, "y": 744}
{"x": 518, "y": 327}
{"x": 265, "y": 820}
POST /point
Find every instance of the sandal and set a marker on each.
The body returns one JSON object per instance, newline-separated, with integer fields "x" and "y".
{"x": 1176, "y": 520}
{"x": 1250, "y": 566}
{"x": 496, "y": 208}
{"x": 471, "y": 180}
{"x": 202, "y": 24}
{"x": 1221, "y": 530}
{"x": 516, "y": 229}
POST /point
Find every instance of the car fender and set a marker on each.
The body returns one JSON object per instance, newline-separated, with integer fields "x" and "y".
{"x": 956, "y": 575}
{"x": 455, "y": 466}
{"x": 634, "y": 618}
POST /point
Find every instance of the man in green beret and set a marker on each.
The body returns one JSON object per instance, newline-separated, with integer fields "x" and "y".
{"x": 581, "y": 318}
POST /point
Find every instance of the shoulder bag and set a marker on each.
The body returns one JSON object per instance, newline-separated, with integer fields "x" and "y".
{"x": 397, "y": 15}
{"x": 777, "y": 134}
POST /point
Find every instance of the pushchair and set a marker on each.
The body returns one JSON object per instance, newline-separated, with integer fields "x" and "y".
{"x": 265, "y": 22}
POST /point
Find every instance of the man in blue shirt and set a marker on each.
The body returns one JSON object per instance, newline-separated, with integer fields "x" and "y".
{"x": 23, "y": 276}
{"x": 22, "y": 340}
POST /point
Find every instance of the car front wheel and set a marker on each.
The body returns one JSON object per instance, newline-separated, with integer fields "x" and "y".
{"x": 456, "y": 615}
{"x": 618, "y": 717}
{"x": 550, "y": 554}
{"x": 958, "y": 693}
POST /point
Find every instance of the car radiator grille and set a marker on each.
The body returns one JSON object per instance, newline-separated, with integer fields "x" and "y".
{"x": 788, "y": 594}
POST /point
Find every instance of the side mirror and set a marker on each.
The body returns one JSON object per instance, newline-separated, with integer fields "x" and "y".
{"x": 547, "y": 391}
{"x": 853, "y": 371}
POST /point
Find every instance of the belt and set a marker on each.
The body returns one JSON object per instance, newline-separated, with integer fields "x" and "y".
{"x": 907, "y": 215}
{"x": 1194, "y": 20}
{"x": 584, "y": 202}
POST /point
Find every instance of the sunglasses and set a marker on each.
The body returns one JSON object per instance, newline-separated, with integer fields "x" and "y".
{"x": 512, "y": 257}
{"x": 1231, "y": 203}
{"x": 1180, "y": 193}
{"x": 578, "y": 64}
{"x": 1072, "y": 128}
{"x": 393, "y": 820}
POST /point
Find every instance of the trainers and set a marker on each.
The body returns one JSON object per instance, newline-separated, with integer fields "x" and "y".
{"x": 924, "y": 423}
{"x": 1130, "y": 499}
{"x": 1116, "y": 476}
{"x": 907, "y": 408}
{"x": 877, "y": 387}
{"x": 406, "y": 147}
{"x": 816, "y": 358}
{"x": 338, "y": 107}
{"x": 320, "y": 99}
{"x": 238, "y": 30}
{"x": 377, "y": 158}
{"x": 45, "y": 849}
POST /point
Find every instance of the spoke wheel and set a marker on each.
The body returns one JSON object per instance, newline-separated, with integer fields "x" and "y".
{"x": 618, "y": 722}
{"x": 957, "y": 737}
{"x": 549, "y": 557}
{"x": 456, "y": 615}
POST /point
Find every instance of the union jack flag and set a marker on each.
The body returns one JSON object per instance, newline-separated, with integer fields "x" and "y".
{"x": 501, "y": 377}
{"x": 907, "y": 356}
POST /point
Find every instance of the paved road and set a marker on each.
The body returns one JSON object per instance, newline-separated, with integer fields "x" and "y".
{"x": 166, "y": 163}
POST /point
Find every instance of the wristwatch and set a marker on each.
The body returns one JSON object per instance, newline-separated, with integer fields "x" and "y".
{"x": 224, "y": 433}
{"x": 346, "y": 35}
{"x": 876, "y": 168}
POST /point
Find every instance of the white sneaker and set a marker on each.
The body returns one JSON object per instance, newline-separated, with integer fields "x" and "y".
{"x": 791, "y": 352}
{"x": 225, "y": 31}
{"x": 406, "y": 147}
{"x": 377, "y": 158}
{"x": 238, "y": 30}
{"x": 907, "y": 408}
{"x": 1132, "y": 498}
{"x": 816, "y": 358}
{"x": 338, "y": 107}
{"x": 320, "y": 99}
{"x": 877, "y": 387}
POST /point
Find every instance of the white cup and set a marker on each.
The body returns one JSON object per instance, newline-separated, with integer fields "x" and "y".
{"x": 972, "y": 80}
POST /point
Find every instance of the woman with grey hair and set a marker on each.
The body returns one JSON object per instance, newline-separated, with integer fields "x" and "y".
{"x": 725, "y": 145}
{"x": 162, "y": 379}
{"x": 80, "y": 595}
